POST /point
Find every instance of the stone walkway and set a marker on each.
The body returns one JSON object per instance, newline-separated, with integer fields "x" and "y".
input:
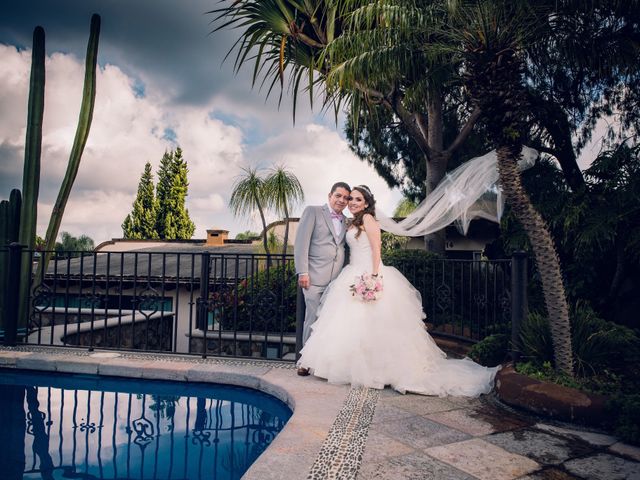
{"x": 342, "y": 433}
{"x": 415, "y": 437}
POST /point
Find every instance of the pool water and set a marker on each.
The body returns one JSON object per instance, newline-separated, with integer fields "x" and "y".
{"x": 60, "y": 426}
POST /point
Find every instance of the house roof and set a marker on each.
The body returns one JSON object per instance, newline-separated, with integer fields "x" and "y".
{"x": 178, "y": 263}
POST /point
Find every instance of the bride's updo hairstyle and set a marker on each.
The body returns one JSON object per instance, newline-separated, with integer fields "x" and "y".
{"x": 370, "y": 201}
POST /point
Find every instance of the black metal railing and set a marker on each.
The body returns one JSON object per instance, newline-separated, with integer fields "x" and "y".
{"x": 466, "y": 299}
{"x": 232, "y": 304}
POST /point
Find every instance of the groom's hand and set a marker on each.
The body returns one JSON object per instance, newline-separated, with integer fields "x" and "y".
{"x": 303, "y": 281}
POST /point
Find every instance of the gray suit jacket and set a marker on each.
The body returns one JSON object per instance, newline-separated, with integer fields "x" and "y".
{"x": 318, "y": 250}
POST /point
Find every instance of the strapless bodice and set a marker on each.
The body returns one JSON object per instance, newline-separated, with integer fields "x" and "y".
{"x": 359, "y": 250}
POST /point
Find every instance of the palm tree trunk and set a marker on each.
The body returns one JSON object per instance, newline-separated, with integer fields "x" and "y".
{"x": 436, "y": 169}
{"x": 286, "y": 230}
{"x": 545, "y": 255}
{"x": 264, "y": 230}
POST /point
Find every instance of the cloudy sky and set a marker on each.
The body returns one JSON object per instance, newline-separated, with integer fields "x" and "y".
{"x": 161, "y": 83}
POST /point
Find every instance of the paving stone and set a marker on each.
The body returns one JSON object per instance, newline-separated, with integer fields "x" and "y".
{"x": 463, "y": 421}
{"x": 103, "y": 355}
{"x": 483, "y": 460}
{"x": 604, "y": 466}
{"x": 594, "y": 438}
{"x": 466, "y": 401}
{"x": 9, "y": 359}
{"x": 542, "y": 447}
{"x": 420, "y": 433}
{"x": 478, "y": 421}
{"x": 414, "y": 466}
{"x": 420, "y": 404}
{"x": 626, "y": 450}
{"x": 83, "y": 365}
{"x": 551, "y": 473}
{"x": 36, "y": 361}
{"x": 289, "y": 455}
{"x": 390, "y": 393}
{"x": 175, "y": 371}
{"x": 120, "y": 367}
{"x": 380, "y": 446}
{"x": 386, "y": 413}
{"x": 222, "y": 374}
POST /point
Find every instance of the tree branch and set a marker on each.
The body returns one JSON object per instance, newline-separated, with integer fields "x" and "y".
{"x": 465, "y": 132}
{"x": 307, "y": 40}
{"x": 318, "y": 30}
{"x": 410, "y": 121}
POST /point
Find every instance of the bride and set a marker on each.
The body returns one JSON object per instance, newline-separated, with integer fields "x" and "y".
{"x": 384, "y": 341}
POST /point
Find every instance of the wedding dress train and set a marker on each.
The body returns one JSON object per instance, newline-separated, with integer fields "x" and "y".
{"x": 384, "y": 342}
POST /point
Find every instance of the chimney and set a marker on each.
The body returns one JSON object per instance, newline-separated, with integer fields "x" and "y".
{"x": 216, "y": 237}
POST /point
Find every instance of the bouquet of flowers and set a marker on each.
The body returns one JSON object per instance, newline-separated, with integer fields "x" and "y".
{"x": 366, "y": 287}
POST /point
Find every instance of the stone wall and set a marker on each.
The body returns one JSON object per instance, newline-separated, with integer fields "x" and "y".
{"x": 154, "y": 334}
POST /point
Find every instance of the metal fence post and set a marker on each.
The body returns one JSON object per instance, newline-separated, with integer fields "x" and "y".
{"x": 519, "y": 304}
{"x": 202, "y": 320}
{"x": 300, "y": 311}
{"x": 12, "y": 298}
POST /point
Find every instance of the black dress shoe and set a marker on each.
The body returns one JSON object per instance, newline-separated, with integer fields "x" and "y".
{"x": 303, "y": 372}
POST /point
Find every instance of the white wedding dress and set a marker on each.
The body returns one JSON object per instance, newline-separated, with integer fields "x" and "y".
{"x": 384, "y": 342}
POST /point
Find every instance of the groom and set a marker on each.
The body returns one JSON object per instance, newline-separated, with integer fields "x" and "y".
{"x": 319, "y": 251}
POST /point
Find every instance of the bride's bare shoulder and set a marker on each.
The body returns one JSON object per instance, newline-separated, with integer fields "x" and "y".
{"x": 369, "y": 221}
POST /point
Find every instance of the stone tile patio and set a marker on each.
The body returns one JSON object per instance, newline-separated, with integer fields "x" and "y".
{"x": 338, "y": 432}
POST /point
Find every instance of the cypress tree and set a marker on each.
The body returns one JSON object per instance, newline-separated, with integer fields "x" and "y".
{"x": 163, "y": 194}
{"x": 172, "y": 220}
{"x": 182, "y": 226}
{"x": 141, "y": 222}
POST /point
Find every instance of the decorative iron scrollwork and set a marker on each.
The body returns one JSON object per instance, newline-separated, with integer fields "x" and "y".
{"x": 443, "y": 297}
{"x": 505, "y": 306}
{"x": 91, "y": 300}
{"x": 42, "y": 298}
{"x": 480, "y": 300}
{"x": 265, "y": 305}
{"x": 148, "y": 301}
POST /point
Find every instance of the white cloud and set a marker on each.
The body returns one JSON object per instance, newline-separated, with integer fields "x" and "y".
{"x": 127, "y": 131}
{"x": 130, "y": 129}
{"x": 319, "y": 158}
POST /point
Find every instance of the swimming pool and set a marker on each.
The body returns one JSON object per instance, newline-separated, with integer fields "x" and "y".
{"x": 56, "y": 426}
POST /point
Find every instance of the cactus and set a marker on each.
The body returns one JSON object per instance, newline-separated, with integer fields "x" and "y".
{"x": 10, "y": 218}
{"x": 82, "y": 133}
{"x": 31, "y": 175}
{"x": 9, "y": 230}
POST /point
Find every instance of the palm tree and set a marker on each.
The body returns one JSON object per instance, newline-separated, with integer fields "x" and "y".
{"x": 282, "y": 192}
{"x": 404, "y": 207}
{"x": 493, "y": 38}
{"x": 359, "y": 53}
{"x": 247, "y": 196}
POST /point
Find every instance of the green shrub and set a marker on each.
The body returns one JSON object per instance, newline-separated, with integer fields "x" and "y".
{"x": 391, "y": 242}
{"x": 598, "y": 345}
{"x": 625, "y": 410}
{"x": 266, "y": 301}
{"x": 535, "y": 337}
{"x": 546, "y": 372}
{"x": 490, "y": 351}
{"x": 400, "y": 258}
